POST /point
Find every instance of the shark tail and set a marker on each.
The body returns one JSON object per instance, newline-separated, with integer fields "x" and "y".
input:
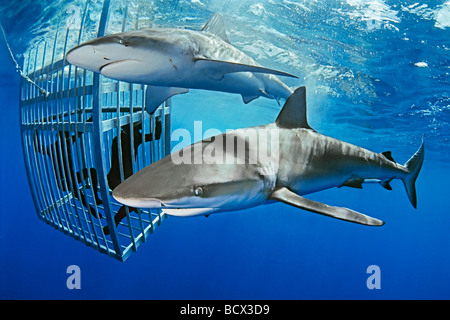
{"x": 413, "y": 165}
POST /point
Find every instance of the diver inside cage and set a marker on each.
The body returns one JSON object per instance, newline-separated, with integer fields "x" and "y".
{"x": 60, "y": 153}
{"x": 113, "y": 176}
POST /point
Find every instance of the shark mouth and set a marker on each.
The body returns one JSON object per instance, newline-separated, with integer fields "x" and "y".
{"x": 121, "y": 70}
{"x": 170, "y": 210}
{"x": 188, "y": 212}
{"x": 112, "y": 63}
{"x": 157, "y": 204}
{"x": 140, "y": 203}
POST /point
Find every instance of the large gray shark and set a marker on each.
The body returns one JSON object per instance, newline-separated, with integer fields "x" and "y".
{"x": 172, "y": 61}
{"x": 302, "y": 162}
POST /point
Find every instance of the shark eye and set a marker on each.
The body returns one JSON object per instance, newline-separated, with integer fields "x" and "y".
{"x": 122, "y": 41}
{"x": 198, "y": 191}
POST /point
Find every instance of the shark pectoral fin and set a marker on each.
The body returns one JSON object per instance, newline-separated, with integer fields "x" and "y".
{"x": 155, "y": 96}
{"x": 216, "y": 69}
{"x": 286, "y": 196}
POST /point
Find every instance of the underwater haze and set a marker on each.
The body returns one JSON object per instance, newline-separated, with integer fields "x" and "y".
{"x": 377, "y": 75}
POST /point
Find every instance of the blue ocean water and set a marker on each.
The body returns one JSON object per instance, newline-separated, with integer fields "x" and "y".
{"x": 377, "y": 75}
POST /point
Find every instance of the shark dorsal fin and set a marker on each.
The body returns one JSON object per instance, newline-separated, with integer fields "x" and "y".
{"x": 293, "y": 114}
{"x": 216, "y": 26}
{"x": 388, "y": 155}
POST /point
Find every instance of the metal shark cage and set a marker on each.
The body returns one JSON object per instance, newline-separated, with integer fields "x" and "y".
{"x": 83, "y": 134}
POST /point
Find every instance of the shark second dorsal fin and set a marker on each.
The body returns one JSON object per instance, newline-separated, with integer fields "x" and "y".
{"x": 293, "y": 114}
{"x": 388, "y": 155}
{"x": 216, "y": 26}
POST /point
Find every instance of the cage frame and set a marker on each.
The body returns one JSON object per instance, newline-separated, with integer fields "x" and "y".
{"x": 63, "y": 197}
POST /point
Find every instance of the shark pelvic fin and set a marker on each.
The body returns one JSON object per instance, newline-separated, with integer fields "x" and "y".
{"x": 248, "y": 99}
{"x": 216, "y": 69}
{"x": 262, "y": 93}
{"x": 286, "y": 196}
{"x": 293, "y": 113}
{"x": 216, "y": 26}
{"x": 386, "y": 184}
{"x": 155, "y": 96}
{"x": 354, "y": 183}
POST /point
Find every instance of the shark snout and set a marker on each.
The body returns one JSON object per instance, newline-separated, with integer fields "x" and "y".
{"x": 99, "y": 53}
{"x": 87, "y": 57}
{"x": 141, "y": 190}
{"x": 112, "y": 58}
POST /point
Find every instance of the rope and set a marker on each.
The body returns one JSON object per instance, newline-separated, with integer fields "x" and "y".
{"x": 18, "y": 68}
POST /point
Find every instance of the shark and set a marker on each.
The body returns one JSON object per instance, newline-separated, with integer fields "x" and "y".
{"x": 171, "y": 61}
{"x": 304, "y": 162}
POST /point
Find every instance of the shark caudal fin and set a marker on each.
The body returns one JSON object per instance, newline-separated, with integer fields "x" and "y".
{"x": 414, "y": 164}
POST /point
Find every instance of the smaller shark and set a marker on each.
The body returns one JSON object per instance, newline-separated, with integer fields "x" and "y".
{"x": 172, "y": 61}
{"x": 304, "y": 162}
